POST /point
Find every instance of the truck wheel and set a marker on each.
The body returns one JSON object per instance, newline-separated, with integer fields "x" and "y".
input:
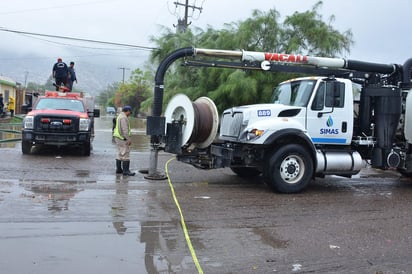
{"x": 291, "y": 169}
{"x": 26, "y": 147}
{"x": 246, "y": 172}
{"x": 86, "y": 149}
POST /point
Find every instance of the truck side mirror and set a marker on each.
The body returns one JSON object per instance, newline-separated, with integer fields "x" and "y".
{"x": 332, "y": 95}
{"x": 95, "y": 112}
{"x": 337, "y": 94}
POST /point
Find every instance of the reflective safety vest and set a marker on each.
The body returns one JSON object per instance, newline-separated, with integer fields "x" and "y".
{"x": 116, "y": 131}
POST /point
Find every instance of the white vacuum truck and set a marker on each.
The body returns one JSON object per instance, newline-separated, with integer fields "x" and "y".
{"x": 326, "y": 124}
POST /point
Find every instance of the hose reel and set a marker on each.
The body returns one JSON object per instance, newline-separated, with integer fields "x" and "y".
{"x": 199, "y": 119}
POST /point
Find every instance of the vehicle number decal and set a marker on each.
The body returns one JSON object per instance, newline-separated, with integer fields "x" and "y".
{"x": 264, "y": 112}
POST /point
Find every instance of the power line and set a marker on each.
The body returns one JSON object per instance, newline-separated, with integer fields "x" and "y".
{"x": 71, "y": 45}
{"x": 78, "y": 39}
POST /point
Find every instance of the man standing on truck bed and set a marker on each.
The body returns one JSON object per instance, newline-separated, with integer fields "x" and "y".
{"x": 60, "y": 73}
{"x": 72, "y": 77}
{"x": 122, "y": 136}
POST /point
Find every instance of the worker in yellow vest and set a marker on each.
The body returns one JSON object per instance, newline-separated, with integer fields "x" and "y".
{"x": 11, "y": 106}
{"x": 122, "y": 134}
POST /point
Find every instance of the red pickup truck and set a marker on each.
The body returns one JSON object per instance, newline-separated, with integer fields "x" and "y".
{"x": 60, "y": 119}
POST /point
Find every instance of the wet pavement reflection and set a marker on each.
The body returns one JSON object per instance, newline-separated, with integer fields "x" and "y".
{"x": 66, "y": 218}
{"x": 57, "y": 194}
{"x": 72, "y": 218}
{"x": 8, "y": 135}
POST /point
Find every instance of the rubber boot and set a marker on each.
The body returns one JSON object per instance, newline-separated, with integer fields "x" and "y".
{"x": 119, "y": 169}
{"x": 126, "y": 171}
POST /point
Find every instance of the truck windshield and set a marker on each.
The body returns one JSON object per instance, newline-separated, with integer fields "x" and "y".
{"x": 294, "y": 93}
{"x": 54, "y": 103}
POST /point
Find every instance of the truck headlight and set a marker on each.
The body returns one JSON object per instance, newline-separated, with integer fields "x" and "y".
{"x": 84, "y": 124}
{"x": 254, "y": 133}
{"x": 28, "y": 122}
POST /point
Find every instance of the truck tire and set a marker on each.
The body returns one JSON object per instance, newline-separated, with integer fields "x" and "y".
{"x": 290, "y": 169}
{"x": 245, "y": 172}
{"x": 86, "y": 149}
{"x": 26, "y": 147}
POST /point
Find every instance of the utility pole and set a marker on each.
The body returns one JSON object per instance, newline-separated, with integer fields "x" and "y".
{"x": 182, "y": 24}
{"x": 26, "y": 75}
{"x": 123, "y": 69}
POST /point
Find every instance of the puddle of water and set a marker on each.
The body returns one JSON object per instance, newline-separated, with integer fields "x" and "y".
{"x": 8, "y": 135}
{"x": 92, "y": 247}
{"x": 70, "y": 247}
{"x": 103, "y": 227}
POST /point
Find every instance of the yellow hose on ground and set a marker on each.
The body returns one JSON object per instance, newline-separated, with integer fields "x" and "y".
{"x": 182, "y": 220}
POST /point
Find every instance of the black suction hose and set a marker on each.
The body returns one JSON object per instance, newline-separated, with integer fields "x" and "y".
{"x": 159, "y": 81}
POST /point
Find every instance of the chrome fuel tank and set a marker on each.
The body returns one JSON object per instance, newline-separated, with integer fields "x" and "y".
{"x": 338, "y": 162}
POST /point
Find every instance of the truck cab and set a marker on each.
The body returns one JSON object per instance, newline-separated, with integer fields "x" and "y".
{"x": 327, "y": 107}
{"x": 310, "y": 120}
{"x": 322, "y": 108}
{"x": 59, "y": 119}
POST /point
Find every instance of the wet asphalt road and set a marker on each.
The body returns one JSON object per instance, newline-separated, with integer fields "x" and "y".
{"x": 64, "y": 213}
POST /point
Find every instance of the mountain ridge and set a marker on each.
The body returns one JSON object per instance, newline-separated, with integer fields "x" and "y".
{"x": 93, "y": 74}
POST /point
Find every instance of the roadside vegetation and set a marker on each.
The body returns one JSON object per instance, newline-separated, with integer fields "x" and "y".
{"x": 305, "y": 33}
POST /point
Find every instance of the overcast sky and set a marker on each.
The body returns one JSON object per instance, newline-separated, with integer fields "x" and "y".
{"x": 380, "y": 27}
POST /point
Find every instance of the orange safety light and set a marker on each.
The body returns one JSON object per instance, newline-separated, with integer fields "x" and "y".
{"x": 72, "y": 95}
{"x": 67, "y": 121}
{"x": 51, "y": 93}
{"x": 45, "y": 120}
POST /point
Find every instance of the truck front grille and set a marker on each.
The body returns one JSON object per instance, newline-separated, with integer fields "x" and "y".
{"x": 231, "y": 124}
{"x": 58, "y": 124}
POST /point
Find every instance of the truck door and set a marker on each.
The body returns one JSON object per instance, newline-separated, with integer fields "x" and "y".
{"x": 330, "y": 113}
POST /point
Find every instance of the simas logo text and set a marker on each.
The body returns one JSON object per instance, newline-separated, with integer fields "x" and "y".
{"x": 329, "y": 130}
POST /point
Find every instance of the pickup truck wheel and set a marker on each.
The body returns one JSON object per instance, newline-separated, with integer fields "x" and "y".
{"x": 26, "y": 147}
{"x": 246, "y": 172}
{"x": 291, "y": 169}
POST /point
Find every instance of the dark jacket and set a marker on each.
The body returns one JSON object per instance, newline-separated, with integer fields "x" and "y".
{"x": 72, "y": 74}
{"x": 60, "y": 70}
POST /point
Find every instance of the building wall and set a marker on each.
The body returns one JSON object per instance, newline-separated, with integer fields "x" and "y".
{"x": 8, "y": 87}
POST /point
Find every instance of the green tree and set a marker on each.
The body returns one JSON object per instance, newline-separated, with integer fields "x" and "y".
{"x": 35, "y": 87}
{"x": 106, "y": 97}
{"x": 307, "y": 33}
{"x": 135, "y": 91}
{"x": 302, "y": 32}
